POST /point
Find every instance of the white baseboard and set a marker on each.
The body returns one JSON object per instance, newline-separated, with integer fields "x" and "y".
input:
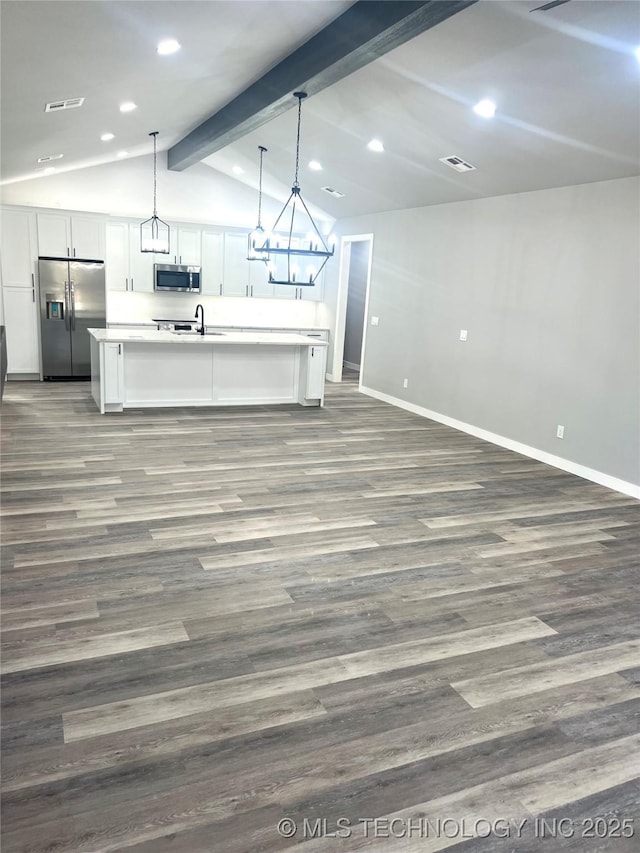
{"x": 541, "y": 455}
{"x": 351, "y": 365}
{"x": 23, "y": 377}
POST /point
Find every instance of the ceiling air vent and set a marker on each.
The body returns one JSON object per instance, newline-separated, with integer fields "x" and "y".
{"x": 457, "y": 163}
{"x": 69, "y": 104}
{"x": 334, "y": 193}
{"x": 50, "y": 157}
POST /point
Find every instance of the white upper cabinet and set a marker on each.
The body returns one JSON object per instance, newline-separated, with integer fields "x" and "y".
{"x": 141, "y": 263}
{"x": 19, "y": 248}
{"x": 116, "y": 266}
{"x": 65, "y": 236}
{"x": 186, "y": 247}
{"x": 235, "y": 281}
{"x": 212, "y": 262}
{"x": 126, "y": 267}
{"x": 259, "y": 284}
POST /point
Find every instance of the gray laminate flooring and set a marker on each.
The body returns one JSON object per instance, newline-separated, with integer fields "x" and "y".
{"x": 389, "y": 633}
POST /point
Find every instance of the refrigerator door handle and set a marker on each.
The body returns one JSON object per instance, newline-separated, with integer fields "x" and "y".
{"x": 72, "y": 300}
{"x": 66, "y": 305}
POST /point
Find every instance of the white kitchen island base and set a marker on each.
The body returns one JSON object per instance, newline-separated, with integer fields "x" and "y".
{"x": 157, "y": 369}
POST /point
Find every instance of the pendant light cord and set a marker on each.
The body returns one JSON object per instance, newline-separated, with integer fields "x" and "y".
{"x": 155, "y": 178}
{"x": 299, "y": 96}
{"x": 262, "y": 150}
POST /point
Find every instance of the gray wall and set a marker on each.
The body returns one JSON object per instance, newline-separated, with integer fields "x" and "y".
{"x": 547, "y": 285}
{"x": 358, "y": 267}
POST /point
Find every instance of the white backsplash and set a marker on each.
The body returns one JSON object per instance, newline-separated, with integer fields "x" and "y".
{"x": 219, "y": 310}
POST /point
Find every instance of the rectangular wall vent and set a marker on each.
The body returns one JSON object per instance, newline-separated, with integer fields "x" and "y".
{"x": 50, "y": 157}
{"x": 69, "y": 104}
{"x": 457, "y": 163}
{"x": 334, "y": 193}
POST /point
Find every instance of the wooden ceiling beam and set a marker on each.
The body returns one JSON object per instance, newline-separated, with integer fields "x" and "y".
{"x": 364, "y": 32}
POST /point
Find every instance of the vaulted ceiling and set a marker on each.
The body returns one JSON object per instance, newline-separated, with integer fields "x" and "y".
{"x": 564, "y": 81}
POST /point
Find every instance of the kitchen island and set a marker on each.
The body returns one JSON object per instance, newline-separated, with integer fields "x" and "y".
{"x": 149, "y": 368}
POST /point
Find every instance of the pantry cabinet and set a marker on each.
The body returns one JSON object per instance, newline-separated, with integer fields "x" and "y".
{"x": 18, "y": 266}
{"x": 21, "y": 321}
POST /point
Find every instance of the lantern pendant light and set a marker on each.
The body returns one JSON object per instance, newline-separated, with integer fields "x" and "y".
{"x": 154, "y": 233}
{"x": 257, "y": 236}
{"x": 285, "y": 252}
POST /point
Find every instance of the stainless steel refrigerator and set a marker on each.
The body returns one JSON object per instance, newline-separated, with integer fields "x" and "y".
{"x": 72, "y": 300}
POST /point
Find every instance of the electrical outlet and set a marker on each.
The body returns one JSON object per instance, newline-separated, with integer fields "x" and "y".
{"x": 463, "y": 334}
{"x": 560, "y": 431}
{"x": 405, "y": 384}
{"x": 374, "y": 321}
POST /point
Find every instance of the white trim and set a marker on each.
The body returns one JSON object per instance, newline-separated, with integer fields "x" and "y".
{"x": 351, "y": 365}
{"x": 341, "y": 302}
{"x": 599, "y": 477}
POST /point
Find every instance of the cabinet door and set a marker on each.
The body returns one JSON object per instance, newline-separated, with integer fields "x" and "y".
{"x": 21, "y": 320}
{"x": 316, "y": 292}
{"x": 189, "y": 247}
{"x": 212, "y": 255}
{"x": 140, "y": 263}
{"x": 112, "y": 373}
{"x": 54, "y": 235}
{"x": 117, "y": 256}
{"x": 18, "y": 256}
{"x": 315, "y": 372}
{"x": 235, "y": 281}
{"x": 87, "y": 238}
{"x": 259, "y": 279}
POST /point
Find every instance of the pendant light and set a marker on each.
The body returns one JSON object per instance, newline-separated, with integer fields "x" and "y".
{"x": 154, "y": 233}
{"x": 291, "y": 257}
{"x": 257, "y": 236}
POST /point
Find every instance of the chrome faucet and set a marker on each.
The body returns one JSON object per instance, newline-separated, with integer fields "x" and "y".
{"x": 201, "y": 327}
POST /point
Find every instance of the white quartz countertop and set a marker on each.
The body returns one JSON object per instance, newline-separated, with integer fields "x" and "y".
{"x": 153, "y": 336}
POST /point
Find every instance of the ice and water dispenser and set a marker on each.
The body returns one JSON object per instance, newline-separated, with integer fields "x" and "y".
{"x": 55, "y": 308}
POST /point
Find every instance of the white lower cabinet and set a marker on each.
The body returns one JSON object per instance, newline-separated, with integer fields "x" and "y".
{"x": 113, "y": 379}
{"x": 21, "y": 321}
{"x": 316, "y": 368}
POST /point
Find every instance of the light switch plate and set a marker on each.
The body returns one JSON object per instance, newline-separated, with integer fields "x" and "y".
{"x": 463, "y": 334}
{"x": 374, "y": 321}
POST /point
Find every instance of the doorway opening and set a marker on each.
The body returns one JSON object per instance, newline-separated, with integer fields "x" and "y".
{"x": 352, "y": 308}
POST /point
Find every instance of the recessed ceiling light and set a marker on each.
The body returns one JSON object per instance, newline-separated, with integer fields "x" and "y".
{"x": 375, "y": 145}
{"x": 107, "y": 137}
{"x": 123, "y": 153}
{"x": 237, "y": 170}
{"x": 317, "y": 167}
{"x": 167, "y": 46}
{"x": 485, "y": 108}
{"x": 127, "y": 107}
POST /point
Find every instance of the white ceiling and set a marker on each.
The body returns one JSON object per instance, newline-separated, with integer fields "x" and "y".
{"x": 565, "y": 83}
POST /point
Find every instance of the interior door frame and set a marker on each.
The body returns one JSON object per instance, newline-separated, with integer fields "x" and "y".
{"x": 341, "y": 304}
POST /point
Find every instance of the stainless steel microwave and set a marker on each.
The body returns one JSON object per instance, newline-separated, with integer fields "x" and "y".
{"x": 176, "y": 278}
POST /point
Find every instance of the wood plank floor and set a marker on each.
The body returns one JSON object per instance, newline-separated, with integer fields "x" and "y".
{"x": 395, "y": 635}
